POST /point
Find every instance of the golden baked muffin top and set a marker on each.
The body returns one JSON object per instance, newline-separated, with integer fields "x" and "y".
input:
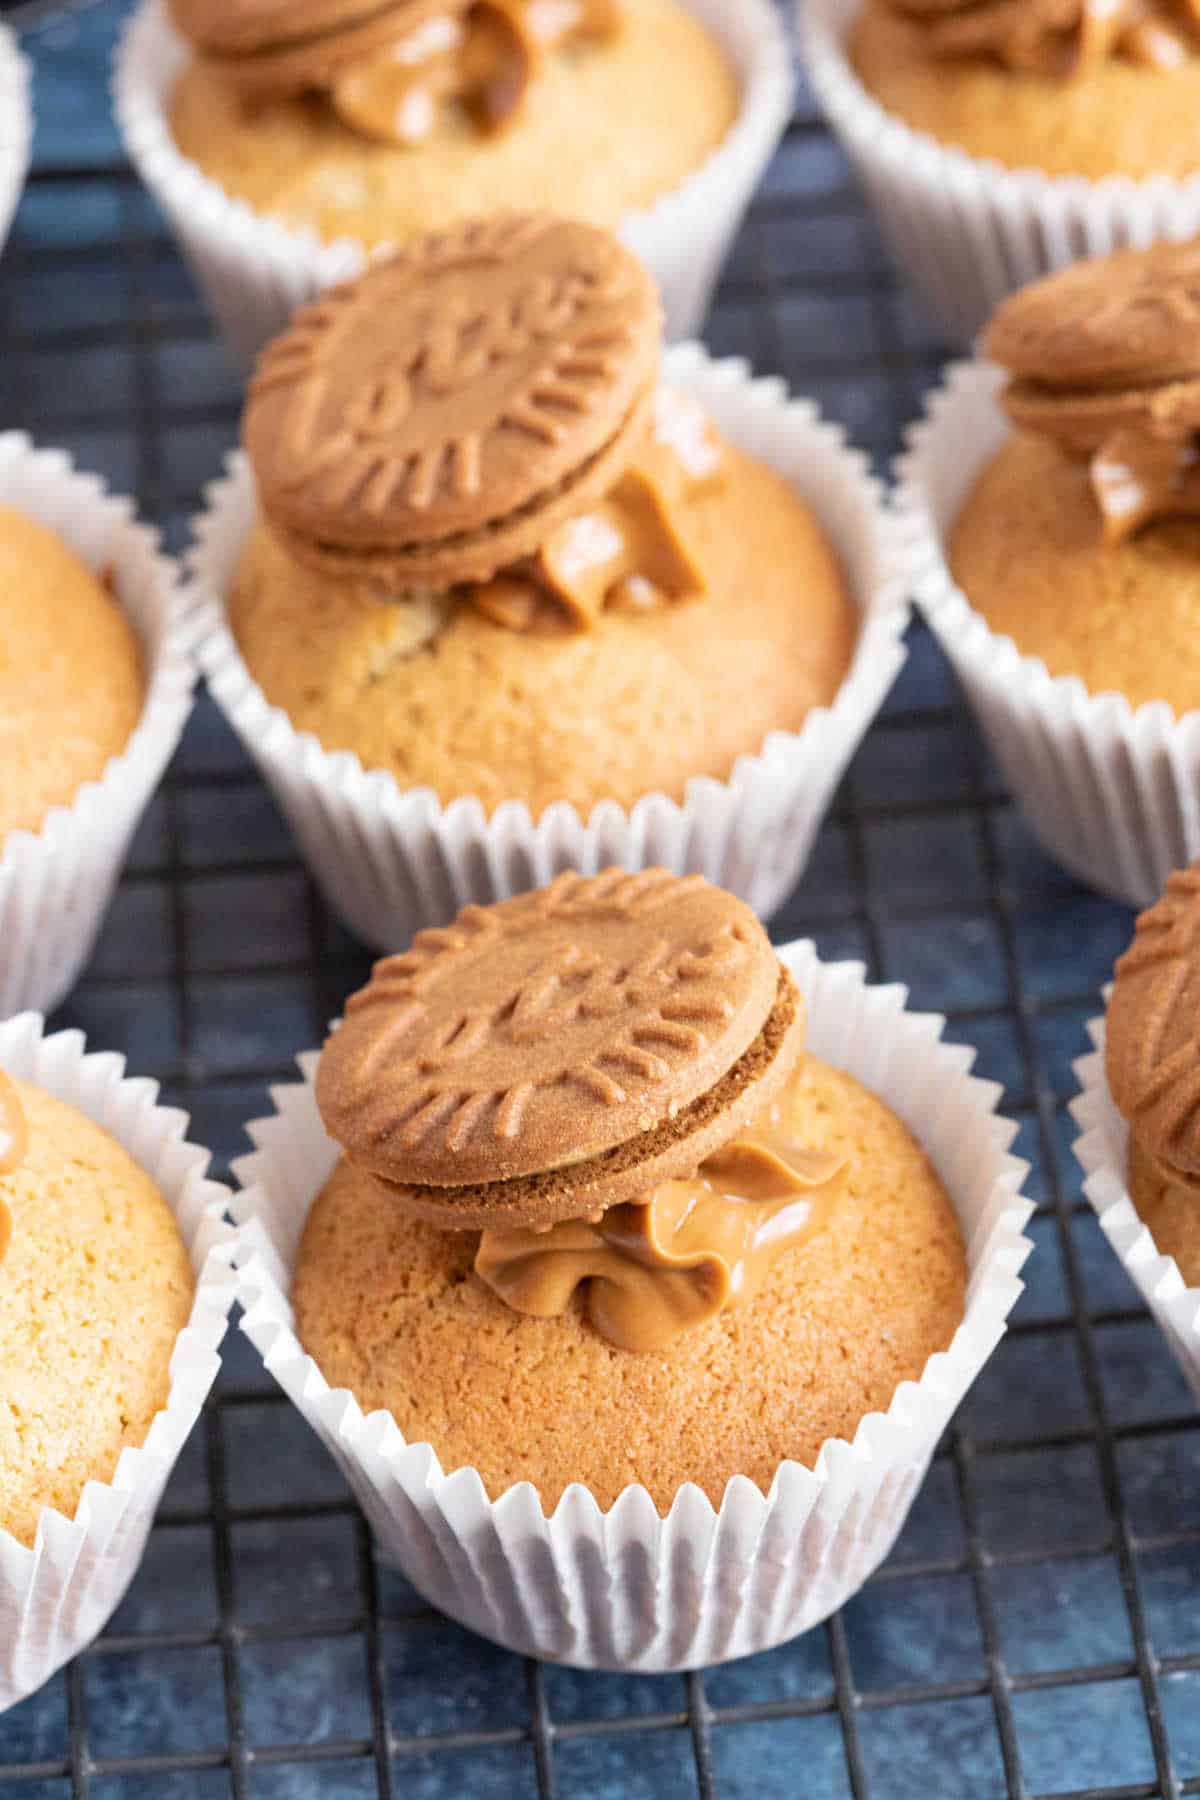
{"x": 1152, "y": 1063}
{"x": 391, "y": 1308}
{"x": 1052, "y": 85}
{"x": 609, "y": 126}
{"x": 599, "y": 1218}
{"x": 637, "y": 704}
{"x": 71, "y": 681}
{"x": 95, "y": 1286}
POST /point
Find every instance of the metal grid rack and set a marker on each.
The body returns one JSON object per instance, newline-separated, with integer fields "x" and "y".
{"x": 1037, "y": 1630}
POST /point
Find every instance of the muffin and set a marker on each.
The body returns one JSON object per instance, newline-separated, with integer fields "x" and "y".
{"x": 421, "y": 114}
{"x": 1139, "y": 1141}
{"x": 1059, "y": 559}
{"x": 623, "y": 1229}
{"x": 115, "y": 1291}
{"x": 1064, "y": 86}
{"x": 1150, "y": 1062}
{"x": 96, "y": 678}
{"x": 624, "y": 1284}
{"x": 502, "y": 564}
{"x": 95, "y": 1287}
{"x": 287, "y": 145}
{"x": 56, "y": 618}
{"x": 999, "y": 142}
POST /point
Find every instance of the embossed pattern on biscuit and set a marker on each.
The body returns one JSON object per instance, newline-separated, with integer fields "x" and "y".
{"x": 537, "y": 1033}
{"x": 459, "y": 381}
{"x": 1153, "y": 1030}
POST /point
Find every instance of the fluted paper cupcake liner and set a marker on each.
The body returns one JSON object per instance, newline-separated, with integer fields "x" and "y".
{"x": 965, "y": 230}
{"x": 16, "y": 127}
{"x": 56, "y": 882}
{"x": 255, "y": 270}
{"x": 1113, "y": 791}
{"x": 392, "y": 860}
{"x": 1102, "y": 1152}
{"x": 628, "y": 1588}
{"x": 56, "y": 1596}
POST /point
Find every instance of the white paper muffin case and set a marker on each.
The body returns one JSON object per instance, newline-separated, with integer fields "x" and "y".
{"x": 56, "y": 882}
{"x": 965, "y": 230}
{"x": 16, "y": 127}
{"x": 56, "y": 1596}
{"x": 1112, "y": 791}
{"x": 627, "y": 1588}
{"x": 1102, "y": 1152}
{"x": 255, "y": 270}
{"x": 391, "y": 860}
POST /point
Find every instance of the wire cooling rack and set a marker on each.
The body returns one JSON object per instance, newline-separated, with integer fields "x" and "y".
{"x": 1037, "y": 1630}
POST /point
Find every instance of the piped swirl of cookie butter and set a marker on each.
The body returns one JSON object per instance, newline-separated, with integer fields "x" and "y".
{"x": 1061, "y": 38}
{"x": 629, "y": 553}
{"x": 14, "y": 1142}
{"x": 654, "y": 1269}
{"x": 484, "y": 57}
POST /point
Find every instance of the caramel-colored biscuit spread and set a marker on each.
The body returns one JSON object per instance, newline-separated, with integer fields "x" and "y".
{"x": 485, "y": 57}
{"x": 1059, "y": 38}
{"x": 389, "y": 67}
{"x": 14, "y": 1141}
{"x": 1105, "y": 358}
{"x": 631, "y": 550}
{"x": 652, "y": 1269}
{"x": 392, "y": 1309}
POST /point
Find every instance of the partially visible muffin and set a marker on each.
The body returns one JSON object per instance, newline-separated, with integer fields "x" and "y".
{"x": 614, "y": 120}
{"x": 71, "y": 675}
{"x": 1080, "y": 538}
{"x": 1033, "y": 84}
{"x": 95, "y": 1286}
{"x": 1152, "y": 1056}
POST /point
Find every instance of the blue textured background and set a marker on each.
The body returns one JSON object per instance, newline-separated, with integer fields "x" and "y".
{"x": 1037, "y": 1631}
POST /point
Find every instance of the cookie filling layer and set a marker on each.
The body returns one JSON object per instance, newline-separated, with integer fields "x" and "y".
{"x": 652, "y": 1269}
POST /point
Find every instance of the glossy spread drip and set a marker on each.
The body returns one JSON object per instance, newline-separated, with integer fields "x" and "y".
{"x": 1062, "y": 38}
{"x": 653, "y": 1269}
{"x": 630, "y": 551}
{"x": 14, "y": 1142}
{"x": 1137, "y": 479}
{"x": 483, "y": 57}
